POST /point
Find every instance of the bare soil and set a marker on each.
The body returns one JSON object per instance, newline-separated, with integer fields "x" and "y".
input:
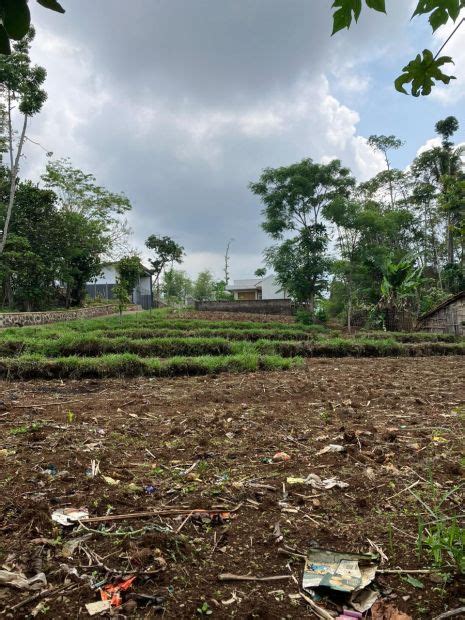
{"x": 397, "y": 419}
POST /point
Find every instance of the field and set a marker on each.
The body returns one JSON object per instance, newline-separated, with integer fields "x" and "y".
{"x": 162, "y": 344}
{"x": 206, "y": 441}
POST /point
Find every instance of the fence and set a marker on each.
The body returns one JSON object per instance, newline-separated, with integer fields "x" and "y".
{"x": 105, "y": 291}
{"x": 262, "y": 306}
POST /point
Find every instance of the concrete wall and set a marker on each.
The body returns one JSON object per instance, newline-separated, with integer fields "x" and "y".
{"x": 14, "y": 319}
{"x": 271, "y": 306}
{"x": 271, "y": 289}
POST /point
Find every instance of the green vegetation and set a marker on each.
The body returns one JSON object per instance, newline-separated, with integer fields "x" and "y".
{"x": 151, "y": 344}
{"x": 425, "y": 69}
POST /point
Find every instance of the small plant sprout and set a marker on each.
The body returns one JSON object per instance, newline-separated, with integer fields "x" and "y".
{"x": 70, "y": 417}
{"x": 204, "y": 609}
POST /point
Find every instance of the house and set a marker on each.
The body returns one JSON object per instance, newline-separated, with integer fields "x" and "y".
{"x": 102, "y": 286}
{"x": 446, "y": 318}
{"x": 255, "y": 289}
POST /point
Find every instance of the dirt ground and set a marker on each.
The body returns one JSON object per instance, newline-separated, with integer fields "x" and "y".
{"x": 207, "y": 442}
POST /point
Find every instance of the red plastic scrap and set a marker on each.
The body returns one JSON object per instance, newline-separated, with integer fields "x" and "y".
{"x": 111, "y": 592}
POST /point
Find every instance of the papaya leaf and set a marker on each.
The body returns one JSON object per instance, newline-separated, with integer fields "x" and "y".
{"x": 441, "y": 11}
{"x": 377, "y": 5}
{"x": 17, "y": 18}
{"x": 53, "y": 5}
{"x": 342, "y": 16}
{"x": 423, "y": 73}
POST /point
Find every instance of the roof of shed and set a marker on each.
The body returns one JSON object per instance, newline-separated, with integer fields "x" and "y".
{"x": 443, "y": 304}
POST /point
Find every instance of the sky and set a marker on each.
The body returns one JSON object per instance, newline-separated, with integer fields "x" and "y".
{"x": 182, "y": 103}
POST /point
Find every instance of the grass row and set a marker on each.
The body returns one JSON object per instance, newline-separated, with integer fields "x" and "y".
{"x": 95, "y": 346}
{"x": 128, "y": 365}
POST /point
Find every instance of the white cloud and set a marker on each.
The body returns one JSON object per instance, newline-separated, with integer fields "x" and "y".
{"x": 455, "y": 90}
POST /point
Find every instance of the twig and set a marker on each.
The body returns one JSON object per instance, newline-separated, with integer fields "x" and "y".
{"x": 319, "y": 611}
{"x": 232, "y": 577}
{"x": 414, "y": 484}
{"x": 292, "y": 554}
{"x": 44, "y": 594}
{"x": 407, "y": 571}
{"x": 173, "y": 512}
{"x": 183, "y": 523}
{"x": 41, "y": 405}
{"x": 451, "y": 613}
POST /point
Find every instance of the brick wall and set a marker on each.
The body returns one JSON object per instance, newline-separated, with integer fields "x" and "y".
{"x": 263, "y": 306}
{"x": 13, "y": 319}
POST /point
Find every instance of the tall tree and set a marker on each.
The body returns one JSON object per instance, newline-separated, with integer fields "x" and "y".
{"x": 78, "y": 192}
{"x": 21, "y": 86}
{"x": 294, "y": 198}
{"x": 166, "y": 251}
{"x": 204, "y": 286}
{"x": 384, "y": 144}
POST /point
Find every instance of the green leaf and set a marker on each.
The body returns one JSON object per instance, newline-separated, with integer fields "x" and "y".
{"x": 423, "y": 73}
{"x": 377, "y": 5}
{"x": 17, "y": 18}
{"x": 416, "y": 583}
{"x": 342, "y": 16}
{"x": 441, "y": 11}
{"x": 4, "y": 42}
{"x": 53, "y": 5}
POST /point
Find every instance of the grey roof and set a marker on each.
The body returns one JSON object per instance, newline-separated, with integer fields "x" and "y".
{"x": 247, "y": 284}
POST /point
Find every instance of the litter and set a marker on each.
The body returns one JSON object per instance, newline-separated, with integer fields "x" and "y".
{"x": 149, "y": 489}
{"x": 382, "y": 610}
{"x": 280, "y": 457}
{"x": 50, "y": 470}
{"x": 21, "y": 582}
{"x": 70, "y": 547}
{"x": 96, "y": 608}
{"x": 316, "y": 482}
{"x": 111, "y": 481}
{"x": 69, "y": 516}
{"x": 331, "y": 448}
{"x": 112, "y": 591}
{"x": 232, "y": 577}
{"x": 348, "y": 573}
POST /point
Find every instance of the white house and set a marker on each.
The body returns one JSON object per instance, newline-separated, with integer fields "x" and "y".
{"x": 102, "y": 286}
{"x": 257, "y": 288}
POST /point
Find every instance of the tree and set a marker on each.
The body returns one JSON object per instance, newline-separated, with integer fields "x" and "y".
{"x": 166, "y": 251}
{"x": 78, "y": 192}
{"x": 22, "y": 85}
{"x": 260, "y": 272}
{"x": 425, "y": 69}
{"x": 294, "y": 198}
{"x": 176, "y": 286}
{"x": 16, "y": 20}
{"x": 384, "y": 144}
{"x": 226, "y": 262}
{"x": 204, "y": 286}
{"x": 129, "y": 271}
{"x": 401, "y": 280}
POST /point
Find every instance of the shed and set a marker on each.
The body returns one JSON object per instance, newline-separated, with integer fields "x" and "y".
{"x": 446, "y": 318}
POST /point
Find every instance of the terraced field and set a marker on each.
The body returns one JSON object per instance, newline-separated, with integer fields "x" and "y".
{"x": 161, "y": 344}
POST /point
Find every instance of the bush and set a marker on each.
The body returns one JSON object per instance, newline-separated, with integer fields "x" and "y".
{"x": 304, "y": 317}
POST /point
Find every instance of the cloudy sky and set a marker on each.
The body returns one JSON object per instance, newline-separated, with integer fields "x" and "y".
{"x": 181, "y": 103}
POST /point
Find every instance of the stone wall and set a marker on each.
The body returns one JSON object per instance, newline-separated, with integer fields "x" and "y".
{"x": 263, "y": 306}
{"x": 19, "y": 319}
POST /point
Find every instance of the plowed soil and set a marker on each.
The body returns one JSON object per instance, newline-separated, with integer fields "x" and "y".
{"x": 206, "y": 442}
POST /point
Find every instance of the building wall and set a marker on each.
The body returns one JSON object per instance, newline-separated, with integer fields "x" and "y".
{"x": 271, "y": 289}
{"x": 447, "y": 320}
{"x": 108, "y": 275}
{"x": 270, "y": 306}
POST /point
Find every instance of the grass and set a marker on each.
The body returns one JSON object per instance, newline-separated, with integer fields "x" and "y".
{"x": 129, "y": 365}
{"x": 150, "y": 344}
